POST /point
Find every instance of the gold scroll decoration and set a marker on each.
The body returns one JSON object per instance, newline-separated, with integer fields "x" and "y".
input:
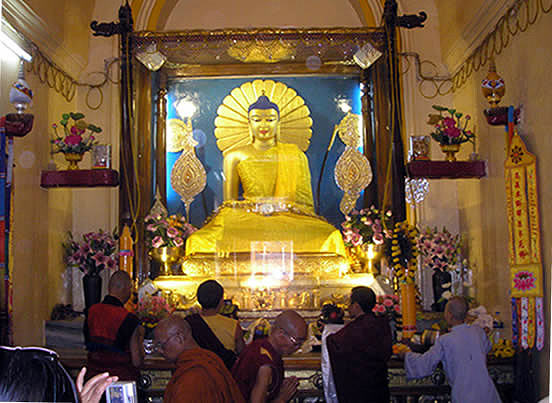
{"x": 231, "y": 123}
{"x": 188, "y": 176}
{"x": 261, "y": 51}
{"x": 523, "y": 221}
{"x": 352, "y": 171}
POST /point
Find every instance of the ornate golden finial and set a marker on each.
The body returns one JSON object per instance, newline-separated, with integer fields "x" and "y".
{"x": 158, "y": 208}
{"x": 493, "y": 85}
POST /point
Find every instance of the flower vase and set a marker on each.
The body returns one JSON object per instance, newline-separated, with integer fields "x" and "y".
{"x": 166, "y": 256}
{"x": 441, "y": 281}
{"x": 73, "y": 159}
{"x": 450, "y": 151}
{"x": 92, "y": 287}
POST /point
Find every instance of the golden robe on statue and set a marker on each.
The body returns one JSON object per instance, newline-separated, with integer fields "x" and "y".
{"x": 277, "y": 206}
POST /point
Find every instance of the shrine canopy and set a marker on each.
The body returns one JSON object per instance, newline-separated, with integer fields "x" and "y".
{"x": 260, "y": 45}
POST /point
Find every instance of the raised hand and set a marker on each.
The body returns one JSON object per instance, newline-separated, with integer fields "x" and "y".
{"x": 93, "y": 389}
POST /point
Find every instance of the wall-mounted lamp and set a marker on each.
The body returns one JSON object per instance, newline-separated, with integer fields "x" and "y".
{"x": 21, "y": 96}
{"x": 151, "y": 58}
{"x": 366, "y": 56}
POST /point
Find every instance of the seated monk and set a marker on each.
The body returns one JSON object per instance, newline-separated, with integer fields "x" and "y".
{"x": 278, "y": 204}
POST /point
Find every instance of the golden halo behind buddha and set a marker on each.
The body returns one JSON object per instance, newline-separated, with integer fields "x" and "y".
{"x": 231, "y": 123}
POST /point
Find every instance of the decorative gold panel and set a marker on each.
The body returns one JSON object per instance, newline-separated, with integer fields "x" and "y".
{"x": 352, "y": 170}
{"x": 188, "y": 176}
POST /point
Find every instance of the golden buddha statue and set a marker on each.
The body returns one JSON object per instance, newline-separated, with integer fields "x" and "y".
{"x": 276, "y": 201}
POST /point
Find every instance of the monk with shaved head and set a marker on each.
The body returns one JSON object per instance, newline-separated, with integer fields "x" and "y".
{"x": 200, "y": 375}
{"x": 260, "y": 370}
{"x": 114, "y": 336}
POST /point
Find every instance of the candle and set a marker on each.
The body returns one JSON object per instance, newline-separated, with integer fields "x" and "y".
{"x": 125, "y": 251}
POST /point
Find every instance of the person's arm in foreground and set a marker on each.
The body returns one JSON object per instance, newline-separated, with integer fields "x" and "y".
{"x": 92, "y": 391}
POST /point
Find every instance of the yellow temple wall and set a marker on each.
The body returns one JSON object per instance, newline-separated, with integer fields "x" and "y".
{"x": 41, "y": 218}
{"x": 524, "y": 65}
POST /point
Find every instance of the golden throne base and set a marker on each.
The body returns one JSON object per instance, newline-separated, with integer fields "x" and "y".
{"x": 313, "y": 280}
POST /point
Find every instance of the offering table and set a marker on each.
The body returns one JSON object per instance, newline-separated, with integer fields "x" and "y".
{"x": 156, "y": 373}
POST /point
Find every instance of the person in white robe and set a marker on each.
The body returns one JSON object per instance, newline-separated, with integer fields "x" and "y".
{"x": 463, "y": 353}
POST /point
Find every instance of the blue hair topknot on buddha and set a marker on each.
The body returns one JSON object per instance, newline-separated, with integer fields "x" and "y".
{"x": 263, "y": 103}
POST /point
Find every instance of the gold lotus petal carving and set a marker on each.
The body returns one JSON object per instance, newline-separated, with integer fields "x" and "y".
{"x": 231, "y": 125}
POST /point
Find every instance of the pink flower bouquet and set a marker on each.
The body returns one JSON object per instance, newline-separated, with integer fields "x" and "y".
{"x": 170, "y": 231}
{"x": 74, "y": 139}
{"x": 387, "y": 305}
{"x": 451, "y": 129}
{"x": 368, "y": 225}
{"x": 96, "y": 251}
{"x": 151, "y": 309}
{"x": 439, "y": 249}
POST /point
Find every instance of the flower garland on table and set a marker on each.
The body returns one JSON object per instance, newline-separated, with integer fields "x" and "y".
{"x": 402, "y": 251}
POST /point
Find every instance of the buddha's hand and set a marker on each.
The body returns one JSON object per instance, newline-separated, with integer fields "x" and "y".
{"x": 288, "y": 389}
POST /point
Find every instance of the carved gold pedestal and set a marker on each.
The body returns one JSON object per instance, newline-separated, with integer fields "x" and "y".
{"x": 312, "y": 280}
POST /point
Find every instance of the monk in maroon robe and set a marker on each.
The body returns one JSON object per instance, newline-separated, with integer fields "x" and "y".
{"x": 259, "y": 370}
{"x": 114, "y": 336}
{"x": 359, "y": 352}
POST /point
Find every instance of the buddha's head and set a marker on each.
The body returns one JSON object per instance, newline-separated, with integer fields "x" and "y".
{"x": 264, "y": 120}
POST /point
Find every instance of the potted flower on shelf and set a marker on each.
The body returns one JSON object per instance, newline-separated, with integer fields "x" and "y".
{"x": 75, "y": 140}
{"x": 450, "y": 130}
{"x": 95, "y": 252}
{"x": 165, "y": 237}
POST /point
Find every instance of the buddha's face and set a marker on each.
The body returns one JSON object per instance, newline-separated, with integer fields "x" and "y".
{"x": 264, "y": 124}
